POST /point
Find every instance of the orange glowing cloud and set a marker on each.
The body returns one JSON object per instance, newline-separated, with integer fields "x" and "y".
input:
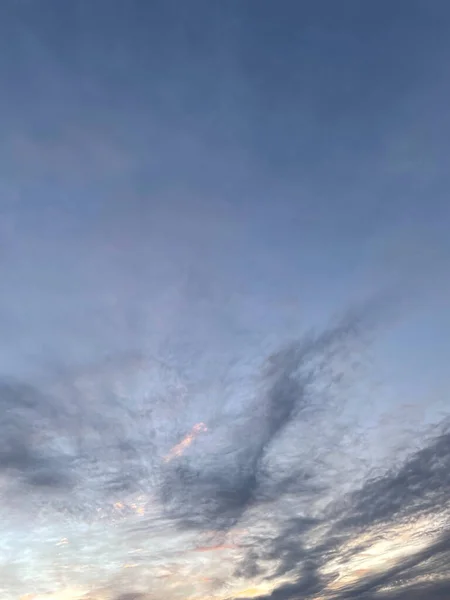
{"x": 185, "y": 442}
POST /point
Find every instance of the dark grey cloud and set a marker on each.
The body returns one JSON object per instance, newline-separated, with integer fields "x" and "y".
{"x": 439, "y": 591}
{"x": 419, "y": 488}
{"x": 27, "y": 417}
{"x": 216, "y": 491}
{"x": 420, "y": 485}
{"x": 61, "y": 439}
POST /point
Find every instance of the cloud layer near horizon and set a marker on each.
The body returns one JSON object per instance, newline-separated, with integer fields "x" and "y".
{"x": 255, "y": 500}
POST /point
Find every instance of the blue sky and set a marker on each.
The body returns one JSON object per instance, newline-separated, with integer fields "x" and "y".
{"x": 186, "y": 189}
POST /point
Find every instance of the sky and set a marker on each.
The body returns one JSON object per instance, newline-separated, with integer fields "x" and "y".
{"x": 224, "y": 300}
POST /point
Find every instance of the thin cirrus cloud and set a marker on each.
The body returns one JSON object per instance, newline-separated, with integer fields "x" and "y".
{"x": 73, "y": 155}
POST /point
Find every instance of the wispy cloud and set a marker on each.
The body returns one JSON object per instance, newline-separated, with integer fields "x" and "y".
{"x": 72, "y": 156}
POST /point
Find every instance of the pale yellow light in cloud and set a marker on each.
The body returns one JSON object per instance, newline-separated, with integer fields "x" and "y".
{"x": 249, "y": 593}
{"x": 384, "y": 548}
{"x": 255, "y": 591}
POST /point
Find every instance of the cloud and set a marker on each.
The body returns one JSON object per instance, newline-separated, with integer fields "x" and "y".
{"x": 25, "y": 418}
{"x": 216, "y": 490}
{"x": 97, "y": 450}
{"x": 390, "y": 539}
{"x": 421, "y": 484}
{"x": 72, "y": 155}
